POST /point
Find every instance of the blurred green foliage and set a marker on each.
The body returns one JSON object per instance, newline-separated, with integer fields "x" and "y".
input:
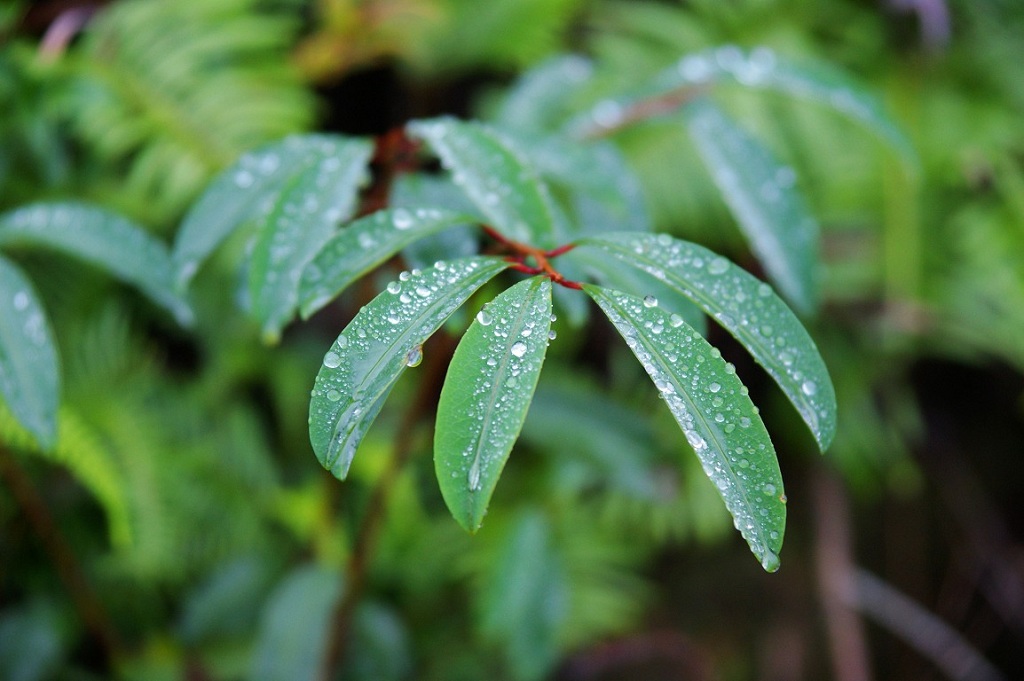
{"x": 183, "y": 479}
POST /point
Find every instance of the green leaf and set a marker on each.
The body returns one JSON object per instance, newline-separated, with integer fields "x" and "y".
{"x": 294, "y": 626}
{"x": 251, "y": 187}
{"x": 381, "y": 649}
{"x": 745, "y": 307}
{"x": 496, "y": 178}
{"x": 761, "y": 68}
{"x": 303, "y": 216}
{"x": 34, "y": 640}
{"x": 384, "y": 338}
{"x": 540, "y": 99}
{"x": 761, "y": 195}
{"x": 604, "y": 193}
{"x": 29, "y": 374}
{"x": 226, "y": 604}
{"x": 363, "y": 245}
{"x": 524, "y": 601}
{"x": 99, "y": 238}
{"x": 711, "y": 406}
{"x": 611, "y": 443}
{"x": 486, "y": 394}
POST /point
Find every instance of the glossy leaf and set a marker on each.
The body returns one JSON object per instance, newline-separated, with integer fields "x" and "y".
{"x": 760, "y": 68}
{"x": 29, "y": 373}
{"x": 711, "y": 406}
{"x": 745, "y": 307}
{"x": 496, "y": 178}
{"x": 294, "y": 625}
{"x": 384, "y": 338}
{"x": 249, "y": 189}
{"x": 760, "y": 193}
{"x": 102, "y": 239}
{"x": 486, "y": 394}
{"x": 303, "y": 215}
{"x": 363, "y": 245}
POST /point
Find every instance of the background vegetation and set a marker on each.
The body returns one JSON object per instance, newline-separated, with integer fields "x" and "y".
{"x": 182, "y": 528}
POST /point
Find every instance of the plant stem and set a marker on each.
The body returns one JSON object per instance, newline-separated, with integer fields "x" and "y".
{"x": 835, "y": 567}
{"x": 369, "y": 528}
{"x": 88, "y": 605}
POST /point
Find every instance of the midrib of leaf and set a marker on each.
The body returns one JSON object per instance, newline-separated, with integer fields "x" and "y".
{"x": 496, "y": 384}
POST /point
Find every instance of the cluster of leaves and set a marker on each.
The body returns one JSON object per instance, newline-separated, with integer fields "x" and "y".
{"x": 280, "y": 191}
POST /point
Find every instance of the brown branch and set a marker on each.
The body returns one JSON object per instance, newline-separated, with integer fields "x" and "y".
{"x": 376, "y": 508}
{"x": 88, "y": 605}
{"x": 645, "y": 109}
{"x": 836, "y": 580}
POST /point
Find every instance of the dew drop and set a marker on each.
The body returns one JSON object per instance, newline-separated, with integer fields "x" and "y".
{"x": 20, "y": 300}
{"x": 718, "y": 266}
{"x": 333, "y": 395}
{"x": 650, "y": 301}
{"x": 484, "y": 318}
{"x": 518, "y": 348}
{"x": 422, "y": 291}
{"x": 394, "y": 287}
{"x": 402, "y": 219}
{"x": 552, "y": 334}
{"x": 714, "y": 387}
{"x": 769, "y": 489}
{"x": 414, "y": 357}
{"x": 675, "y": 321}
{"x": 332, "y": 360}
{"x": 809, "y": 388}
{"x": 770, "y": 561}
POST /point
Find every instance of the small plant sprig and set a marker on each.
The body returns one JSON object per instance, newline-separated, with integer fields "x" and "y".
{"x": 550, "y": 189}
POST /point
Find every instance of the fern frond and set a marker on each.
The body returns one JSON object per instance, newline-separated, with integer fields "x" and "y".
{"x": 81, "y": 452}
{"x": 175, "y": 90}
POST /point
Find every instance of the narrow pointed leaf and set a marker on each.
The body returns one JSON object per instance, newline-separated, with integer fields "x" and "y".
{"x": 371, "y": 353}
{"x": 294, "y": 625}
{"x": 711, "y": 406}
{"x": 363, "y": 245}
{"x": 29, "y": 374}
{"x": 496, "y": 178}
{"x": 541, "y": 99}
{"x": 525, "y": 596}
{"x": 486, "y": 394}
{"x": 304, "y": 215}
{"x": 249, "y": 188}
{"x": 760, "y": 68}
{"x": 760, "y": 193}
{"x": 100, "y": 238}
{"x": 745, "y": 307}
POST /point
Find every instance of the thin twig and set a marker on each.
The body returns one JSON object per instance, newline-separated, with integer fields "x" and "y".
{"x": 369, "y": 529}
{"x": 929, "y": 635}
{"x": 69, "y": 570}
